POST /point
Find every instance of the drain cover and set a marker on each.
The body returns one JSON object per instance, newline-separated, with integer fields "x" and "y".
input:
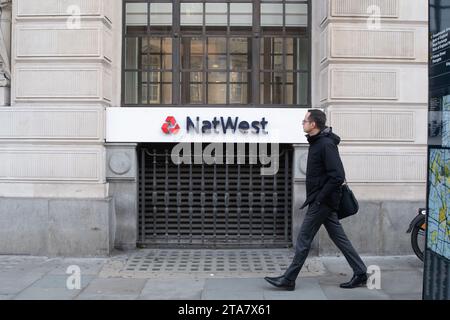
{"x": 209, "y": 261}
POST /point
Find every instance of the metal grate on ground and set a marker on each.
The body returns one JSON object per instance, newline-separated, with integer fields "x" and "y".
{"x": 209, "y": 261}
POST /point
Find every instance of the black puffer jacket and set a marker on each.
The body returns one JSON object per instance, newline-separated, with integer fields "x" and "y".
{"x": 325, "y": 172}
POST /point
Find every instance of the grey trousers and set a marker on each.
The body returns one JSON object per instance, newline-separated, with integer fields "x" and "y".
{"x": 315, "y": 217}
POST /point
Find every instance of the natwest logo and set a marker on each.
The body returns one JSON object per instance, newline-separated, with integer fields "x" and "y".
{"x": 225, "y": 124}
{"x": 170, "y": 126}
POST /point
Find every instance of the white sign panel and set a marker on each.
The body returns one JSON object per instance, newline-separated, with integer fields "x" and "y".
{"x": 224, "y": 125}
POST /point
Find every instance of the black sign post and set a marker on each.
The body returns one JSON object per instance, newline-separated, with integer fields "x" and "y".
{"x": 437, "y": 251}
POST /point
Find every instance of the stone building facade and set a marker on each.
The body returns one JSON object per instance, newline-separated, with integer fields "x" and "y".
{"x": 67, "y": 191}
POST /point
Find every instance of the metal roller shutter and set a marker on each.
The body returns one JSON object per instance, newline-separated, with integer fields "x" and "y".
{"x": 212, "y": 206}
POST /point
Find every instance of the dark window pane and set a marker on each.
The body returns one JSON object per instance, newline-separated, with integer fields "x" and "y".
{"x": 239, "y": 62}
{"x": 217, "y": 93}
{"x": 273, "y": 95}
{"x": 239, "y": 93}
{"x": 157, "y": 45}
{"x": 131, "y": 87}
{"x": 156, "y": 53}
{"x": 289, "y": 77}
{"x": 196, "y": 46}
{"x": 150, "y": 61}
{"x": 217, "y": 77}
{"x": 289, "y": 46}
{"x": 167, "y": 62}
{"x": 302, "y": 88}
{"x": 196, "y": 62}
{"x": 166, "y": 77}
{"x": 131, "y": 53}
{"x": 296, "y": 89}
{"x": 217, "y": 45}
{"x": 271, "y": 87}
{"x": 192, "y": 55}
{"x": 290, "y": 62}
{"x": 277, "y": 45}
{"x": 239, "y": 76}
{"x": 238, "y": 45}
{"x": 166, "y": 94}
{"x": 217, "y": 61}
{"x": 153, "y": 77}
{"x": 271, "y": 53}
{"x": 302, "y": 53}
{"x": 289, "y": 89}
{"x": 154, "y": 93}
{"x": 144, "y": 94}
{"x": 196, "y": 94}
{"x": 196, "y": 77}
{"x": 277, "y": 62}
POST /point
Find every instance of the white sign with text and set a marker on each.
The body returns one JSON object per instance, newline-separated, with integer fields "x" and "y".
{"x": 223, "y": 125}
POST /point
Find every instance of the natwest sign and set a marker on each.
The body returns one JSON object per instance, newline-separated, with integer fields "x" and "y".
{"x": 226, "y": 125}
{"x": 237, "y": 125}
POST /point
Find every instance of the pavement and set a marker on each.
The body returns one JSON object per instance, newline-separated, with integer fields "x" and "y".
{"x": 189, "y": 275}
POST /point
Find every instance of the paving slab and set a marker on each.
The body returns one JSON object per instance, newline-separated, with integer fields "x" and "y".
{"x": 233, "y": 289}
{"x": 400, "y": 282}
{"x": 406, "y": 296}
{"x": 88, "y": 296}
{"x": 172, "y": 289}
{"x": 337, "y": 293}
{"x": 35, "y": 293}
{"x": 50, "y": 281}
{"x": 338, "y": 265}
{"x": 114, "y": 286}
{"x": 305, "y": 289}
{"x": 15, "y": 282}
{"x": 25, "y": 264}
{"x": 236, "y": 285}
{"x": 228, "y": 295}
{"x": 87, "y": 266}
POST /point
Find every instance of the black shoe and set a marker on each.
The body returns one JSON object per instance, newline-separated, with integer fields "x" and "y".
{"x": 356, "y": 281}
{"x": 281, "y": 282}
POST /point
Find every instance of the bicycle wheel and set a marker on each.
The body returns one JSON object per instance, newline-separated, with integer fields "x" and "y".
{"x": 418, "y": 238}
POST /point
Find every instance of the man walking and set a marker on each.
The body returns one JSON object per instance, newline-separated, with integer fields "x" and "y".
{"x": 324, "y": 178}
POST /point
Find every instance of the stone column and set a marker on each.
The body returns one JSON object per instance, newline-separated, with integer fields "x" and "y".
{"x": 122, "y": 175}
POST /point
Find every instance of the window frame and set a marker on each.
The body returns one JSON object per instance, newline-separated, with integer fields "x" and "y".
{"x": 254, "y": 69}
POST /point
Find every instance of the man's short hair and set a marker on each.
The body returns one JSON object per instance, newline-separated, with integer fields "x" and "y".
{"x": 319, "y": 117}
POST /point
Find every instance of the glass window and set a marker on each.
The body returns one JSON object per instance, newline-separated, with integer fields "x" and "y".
{"x": 136, "y": 14}
{"x": 272, "y": 14}
{"x": 216, "y": 14}
{"x": 208, "y": 52}
{"x": 241, "y": 14}
{"x": 191, "y": 14}
{"x": 217, "y": 53}
{"x": 297, "y": 15}
{"x": 161, "y": 14}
